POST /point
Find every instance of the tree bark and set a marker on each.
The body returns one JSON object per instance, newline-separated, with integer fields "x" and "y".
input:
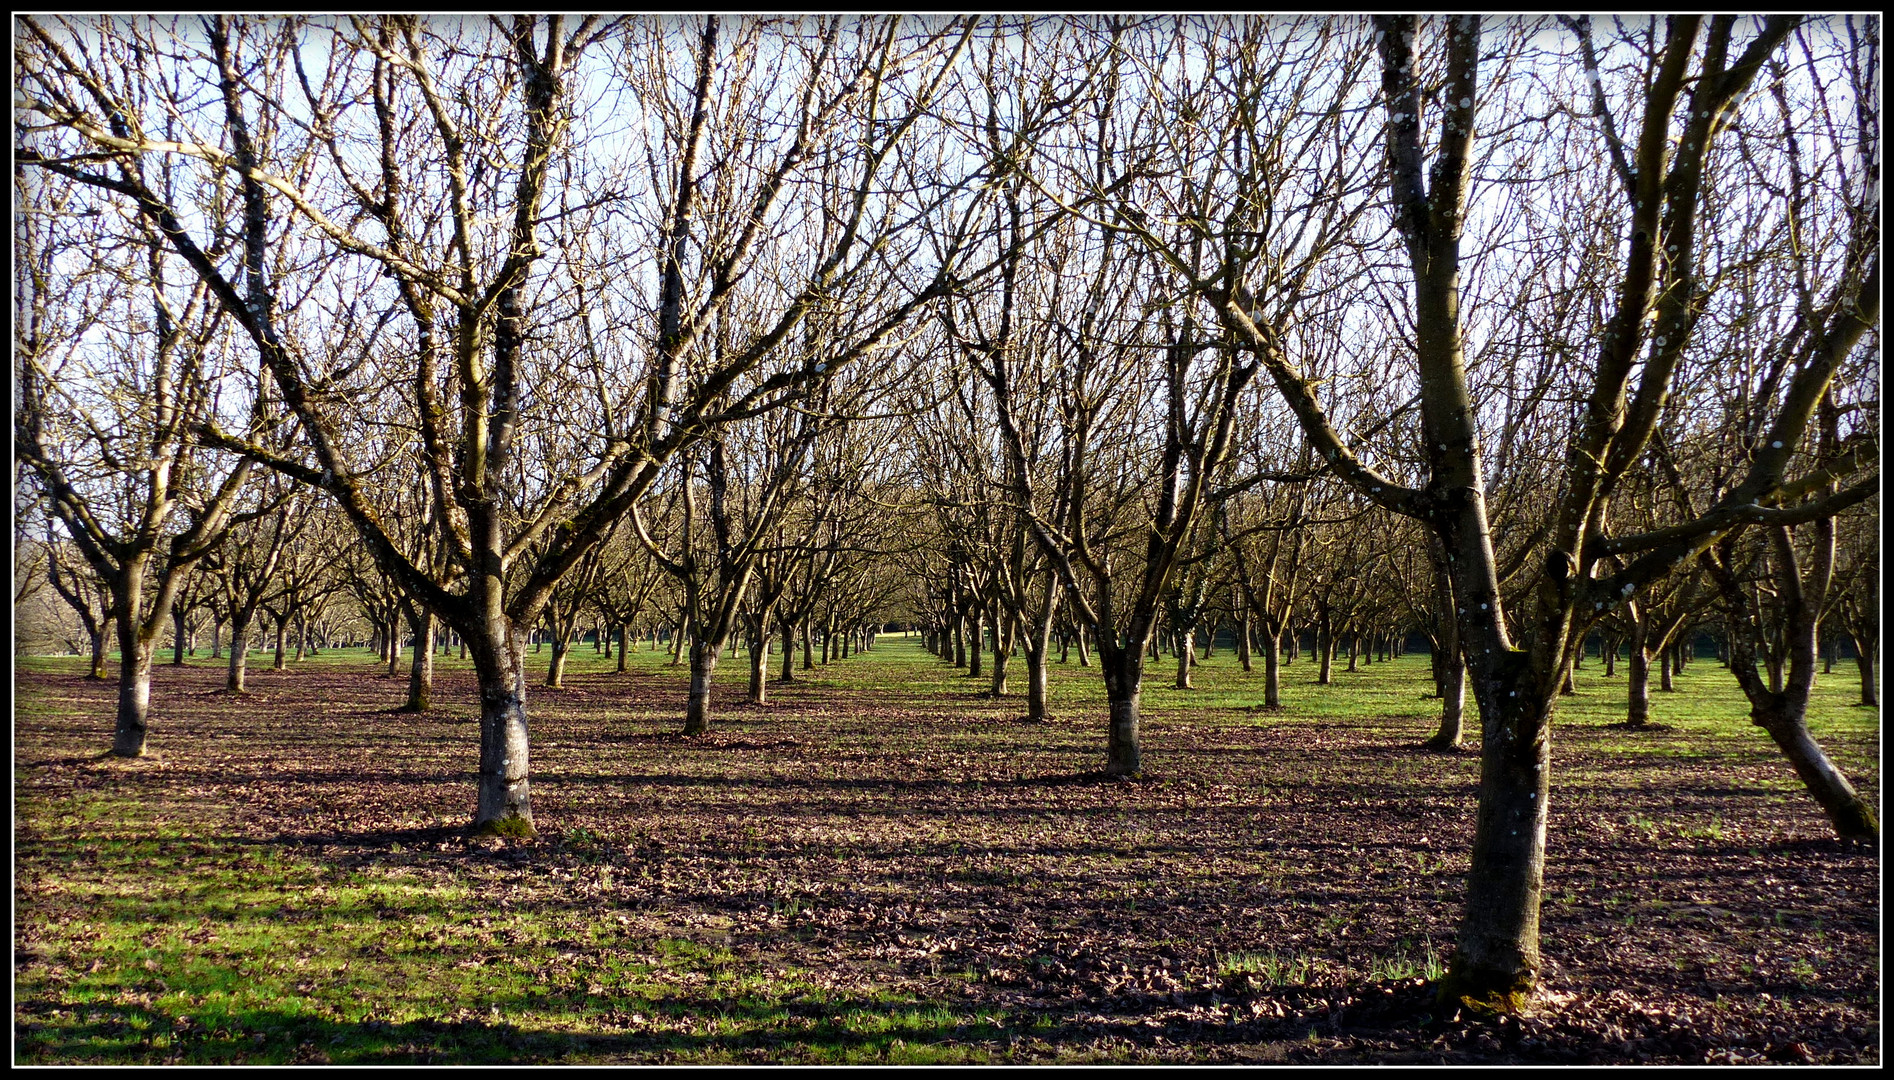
{"x": 134, "y": 690}
{"x": 239, "y": 653}
{"x": 704, "y": 656}
{"x": 1325, "y": 649}
{"x": 759, "y": 663}
{"x": 97, "y": 671}
{"x": 1849, "y": 813}
{"x": 421, "y": 669}
{"x": 1124, "y": 676}
{"x": 394, "y": 643}
{"x": 1864, "y": 660}
{"x": 178, "y": 616}
{"x": 1453, "y": 703}
{"x": 1272, "y": 672}
{"x": 505, "y": 799}
{"x": 1638, "y": 682}
{"x": 556, "y": 668}
{"x": 1497, "y": 954}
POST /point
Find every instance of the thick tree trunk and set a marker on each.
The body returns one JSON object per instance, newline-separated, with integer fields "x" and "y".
{"x": 1848, "y": 812}
{"x": 1496, "y": 961}
{"x": 505, "y": 801}
{"x": 624, "y": 640}
{"x": 281, "y": 662}
{"x": 394, "y": 644}
{"x": 1638, "y": 683}
{"x": 1124, "y": 677}
{"x": 1243, "y": 643}
{"x": 1085, "y": 658}
{"x": 1864, "y": 660}
{"x": 134, "y": 691}
{"x": 216, "y": 639}
{"x": 1453, "y": 703}
{"x": 789, "y": 651}
{"x": 1667, "y": 682}
{"x": 178, "y": 616}
{"x": 759, "y": 664}
{"x": 704, "y": 656}
{"x": 239, "y": 654}
{"x": 97, "y": 671}
{"x": 421, "y": 669}
{"x": 808, "y": 647}
{"x": 556, "y": 668}
{"x": 1037, "y": 682}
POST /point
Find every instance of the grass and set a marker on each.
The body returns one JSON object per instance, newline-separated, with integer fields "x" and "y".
{"x": 882, "y": 866}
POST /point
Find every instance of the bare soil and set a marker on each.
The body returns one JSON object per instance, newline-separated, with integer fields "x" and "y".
{"x": 1271, "y": 893}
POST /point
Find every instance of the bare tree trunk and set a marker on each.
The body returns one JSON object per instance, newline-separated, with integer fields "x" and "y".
{"x": 1243, "y": 643}
{"x": 1850, "y": 814}
{"x": 1639, "y": 683}
{"x": 1272, "y": 671}
{"x": 556, "y": 668}
{"x": 421, "y": 669}
{"x": 96, "y": 638}
{"x": 505, "y": 805}
{"x": 975, "y": 646}
{"x": 178, "y": 615}
{"x": 704, "y": 656}
{"x": 1864, "y": 660}
{"x": 759, "y": 662}
{"x": 134, "y": 687}
{"x": 281, "y": 663}
{"x": 239, "y": 653}
{"x": 1002, "y": 647}
{"x": 1453, "y": 703}
{"x": 624, "y": 638}
{"x": 1124, "y": 675}
{"x": 1325, "y": 649}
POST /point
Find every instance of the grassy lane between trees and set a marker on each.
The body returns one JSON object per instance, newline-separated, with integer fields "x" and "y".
{"x": 884, "y": 865}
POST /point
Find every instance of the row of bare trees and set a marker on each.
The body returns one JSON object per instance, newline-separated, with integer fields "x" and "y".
{"x": 1566, "y": 327}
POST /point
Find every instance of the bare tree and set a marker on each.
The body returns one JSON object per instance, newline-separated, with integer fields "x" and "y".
{"x": 113, "y": 368}
{"x": 444, "y": 268}
{"x": 1694, "y": 82}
